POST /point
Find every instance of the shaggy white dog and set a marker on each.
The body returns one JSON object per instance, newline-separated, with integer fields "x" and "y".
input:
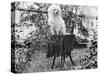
{"x": 55, "y": 20}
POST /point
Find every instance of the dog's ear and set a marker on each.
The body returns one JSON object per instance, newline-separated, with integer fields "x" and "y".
{"x": 63, "y": 14}
{"x": 48, "y": 6}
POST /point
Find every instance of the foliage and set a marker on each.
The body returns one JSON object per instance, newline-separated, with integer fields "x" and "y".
{"x": 89, "y": 61}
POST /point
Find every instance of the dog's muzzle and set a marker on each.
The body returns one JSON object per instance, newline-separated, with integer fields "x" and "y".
{"x": 55, "y": 12}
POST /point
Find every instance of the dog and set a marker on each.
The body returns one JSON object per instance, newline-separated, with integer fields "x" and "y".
{"x": 57, "y": 26}
{"x": 55, "y": 20}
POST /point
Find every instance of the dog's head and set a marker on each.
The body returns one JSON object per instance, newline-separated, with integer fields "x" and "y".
{"x": 54, "y": 10}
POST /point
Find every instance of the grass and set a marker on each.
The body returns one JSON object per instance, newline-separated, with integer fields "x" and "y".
{"x": 42, "y": 64}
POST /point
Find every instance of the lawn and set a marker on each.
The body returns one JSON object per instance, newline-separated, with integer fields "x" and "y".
{"x": 41, "y": 64}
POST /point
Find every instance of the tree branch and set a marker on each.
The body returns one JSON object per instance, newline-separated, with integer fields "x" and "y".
{"x": 37, "y": 11}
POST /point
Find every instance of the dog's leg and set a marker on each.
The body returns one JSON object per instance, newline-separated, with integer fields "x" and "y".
{"x": 53, "y": 62}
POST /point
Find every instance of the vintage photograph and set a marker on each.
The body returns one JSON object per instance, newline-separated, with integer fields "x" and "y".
{"x": 49, "y": 37}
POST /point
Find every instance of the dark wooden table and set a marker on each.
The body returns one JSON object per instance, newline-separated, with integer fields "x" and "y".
{"x": 61, "y": 45}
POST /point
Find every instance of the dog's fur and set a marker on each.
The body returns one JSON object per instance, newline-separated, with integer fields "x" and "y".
{"x": 55, "y": 20}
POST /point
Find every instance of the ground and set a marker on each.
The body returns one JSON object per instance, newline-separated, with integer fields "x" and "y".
{"x": 41, "y": 64}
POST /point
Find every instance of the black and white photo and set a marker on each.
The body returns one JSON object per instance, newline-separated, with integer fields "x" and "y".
{"x": 53, "y": 37}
